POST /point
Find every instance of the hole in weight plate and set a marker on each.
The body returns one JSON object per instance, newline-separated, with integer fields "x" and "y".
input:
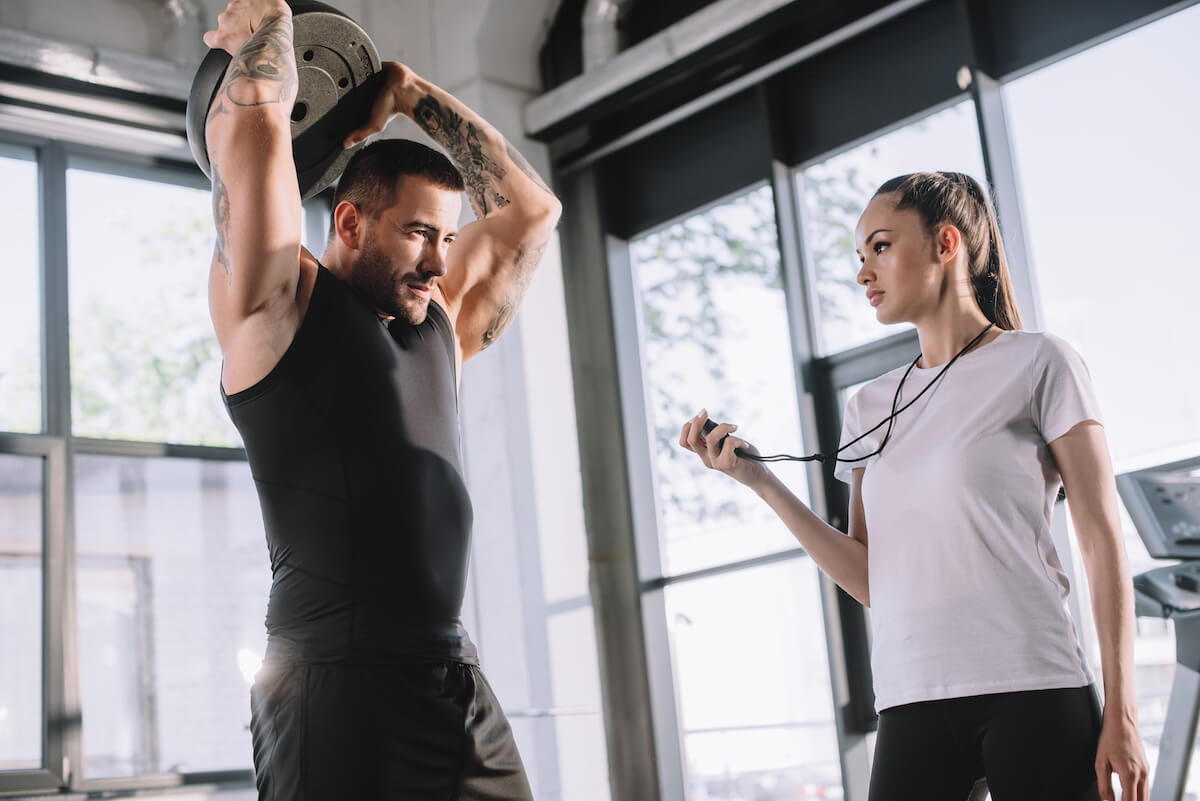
{"x": 343, "y": 83}
{"x": 299, "y": 111}
{"x": 308, "y": 55}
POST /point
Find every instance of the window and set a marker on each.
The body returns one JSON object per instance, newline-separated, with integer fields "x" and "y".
{"x": 1108, "y": 174}
{"x": 20, "y": 348}
{"x": 169, "y": 573}
{"x": 144, "y": 360}
{"x": 21, "y": 702}
{"x": 836, "y": 190}
{"x": 173, "y": 580}
{"x": 753, "y": 684}
{"x": 714, "y": 333}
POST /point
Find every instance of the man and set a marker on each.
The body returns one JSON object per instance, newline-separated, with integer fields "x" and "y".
{"x": 342, "y": 377}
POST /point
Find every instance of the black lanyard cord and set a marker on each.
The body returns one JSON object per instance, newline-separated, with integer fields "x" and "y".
{"x": 890, "y": 419}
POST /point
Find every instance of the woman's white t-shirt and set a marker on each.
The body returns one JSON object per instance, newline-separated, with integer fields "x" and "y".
{"x": 968, "y": 594}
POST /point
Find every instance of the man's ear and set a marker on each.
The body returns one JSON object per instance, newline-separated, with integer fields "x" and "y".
{"x": 348, "y": 224}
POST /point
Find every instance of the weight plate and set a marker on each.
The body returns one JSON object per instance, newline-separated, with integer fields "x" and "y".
{"x": 339, "y": 72}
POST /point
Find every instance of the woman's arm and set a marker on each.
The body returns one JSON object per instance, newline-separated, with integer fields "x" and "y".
{"x": 1086, "y": 469}
{"x": 843, "y": 558}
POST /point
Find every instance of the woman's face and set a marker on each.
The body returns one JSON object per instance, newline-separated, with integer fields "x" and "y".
{"x": 901, "y": 268}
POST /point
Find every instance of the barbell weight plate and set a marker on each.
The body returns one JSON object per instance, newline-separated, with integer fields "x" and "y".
{"x": 339, "y": 72}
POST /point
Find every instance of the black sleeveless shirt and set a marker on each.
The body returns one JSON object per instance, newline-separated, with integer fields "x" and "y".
{"x": 354, "y": 447}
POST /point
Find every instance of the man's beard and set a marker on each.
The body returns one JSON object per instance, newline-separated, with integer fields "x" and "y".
{"x": 374, "y": 280}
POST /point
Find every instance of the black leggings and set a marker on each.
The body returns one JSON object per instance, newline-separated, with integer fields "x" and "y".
{"x": 1038, "y": 745}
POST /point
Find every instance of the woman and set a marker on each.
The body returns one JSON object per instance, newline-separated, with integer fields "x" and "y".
{"x": 978, "y": 669}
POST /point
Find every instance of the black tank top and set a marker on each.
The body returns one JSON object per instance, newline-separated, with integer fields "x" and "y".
{"x": 354, "y": 447}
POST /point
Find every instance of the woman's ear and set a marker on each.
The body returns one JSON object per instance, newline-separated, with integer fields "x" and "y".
{"x": 948, "y": 240}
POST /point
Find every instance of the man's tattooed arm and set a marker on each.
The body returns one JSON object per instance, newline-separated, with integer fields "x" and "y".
{"x": 220, "y": 202}
{"x": 481, "y": 173}
{"x": 515, "y": 156}
{"x": 484, "y": 173}
{"x": 507, "y": 246}
{"x": 261, "y": 77}
{"x": 527, "y": 260}
{"x": 263, "y": 72}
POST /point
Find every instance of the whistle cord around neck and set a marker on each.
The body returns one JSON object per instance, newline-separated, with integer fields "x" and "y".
{"x": 890, "y": 419}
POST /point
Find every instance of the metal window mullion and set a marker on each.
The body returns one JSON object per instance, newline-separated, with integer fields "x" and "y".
{"x": 724, "y": 569}
{"x": 56, "y": 357}
{"x": 61, "y": 674}
{"x": 60, "y": 670}
{"x": 800, "y": 296}
{"x": 200, "y": 782}
{"x": 156, "y": 450}
{"x": 1000, "y": 164}
{"x": 647, "y": 524}
{"x": 869, "y": 360}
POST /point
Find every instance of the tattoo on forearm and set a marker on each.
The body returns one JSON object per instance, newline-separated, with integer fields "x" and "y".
{"x": 480, "y": 172}
{"x": 267, "y": 57}
{"x": 220, "y": 201}
{"x": 527, "y": 260}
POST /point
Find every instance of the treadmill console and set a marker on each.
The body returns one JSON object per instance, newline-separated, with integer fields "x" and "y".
{"x": 1164, "y": 504}
{"x": 1168, "y": 590}
{"x": 1165, "y": 508}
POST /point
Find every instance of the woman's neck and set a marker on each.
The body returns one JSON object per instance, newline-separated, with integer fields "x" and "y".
{"x": 941, "y": 340}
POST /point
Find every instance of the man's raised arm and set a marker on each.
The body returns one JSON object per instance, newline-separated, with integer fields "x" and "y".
{"x": 256, "y": 200}
{"x": 492, "y": 261}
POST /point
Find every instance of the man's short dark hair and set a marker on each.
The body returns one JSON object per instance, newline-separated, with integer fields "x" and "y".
{"x": 370, "y": 178}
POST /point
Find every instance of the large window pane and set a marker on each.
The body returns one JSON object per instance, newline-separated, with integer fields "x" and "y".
{"x": 834, "y": 193}
{"x": 752, "y": 681}
{"x": 20, "y": 612}
{"x": 144, "y": 360}
{"x": 714, "y": 334}
{"x": 173, "y": 580}
{"x": 1108, "y": 172}
{"x": 20, "y": 346}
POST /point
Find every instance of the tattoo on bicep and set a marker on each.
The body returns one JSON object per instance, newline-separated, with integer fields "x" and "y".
{"x": 527, "y": 259}
{"x": 267, "y": 57}
{"x": 220, "y": 200}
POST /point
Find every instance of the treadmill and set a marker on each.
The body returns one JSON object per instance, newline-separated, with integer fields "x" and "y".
{"x": 1164, "y": 504}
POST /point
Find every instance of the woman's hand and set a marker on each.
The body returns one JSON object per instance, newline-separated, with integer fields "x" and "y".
{"x": 719, "y": 455}
{"x": 1120, "y": 751}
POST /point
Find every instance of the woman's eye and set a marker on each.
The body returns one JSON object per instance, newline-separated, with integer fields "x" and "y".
{"x": 879, "y": 247}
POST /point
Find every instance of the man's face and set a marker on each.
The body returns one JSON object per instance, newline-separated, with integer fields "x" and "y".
{"x": 403, "y": 252}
